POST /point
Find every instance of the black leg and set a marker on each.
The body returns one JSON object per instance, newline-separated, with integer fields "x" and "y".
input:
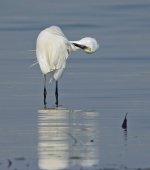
{"x": 56, "y": 94}
{"x": 45, "y": 92}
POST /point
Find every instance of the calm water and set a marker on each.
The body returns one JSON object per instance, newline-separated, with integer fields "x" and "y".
{"x": 96, "y": 90}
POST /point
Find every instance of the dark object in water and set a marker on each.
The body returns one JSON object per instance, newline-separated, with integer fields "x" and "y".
{"x": 124, "y": 124}
{"x": 9, "y": 163}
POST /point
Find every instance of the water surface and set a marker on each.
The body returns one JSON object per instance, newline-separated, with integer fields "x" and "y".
{"x": 96, "y": 90}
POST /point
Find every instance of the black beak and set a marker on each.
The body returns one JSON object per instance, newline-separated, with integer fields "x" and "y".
{"x": 80, "y": 46}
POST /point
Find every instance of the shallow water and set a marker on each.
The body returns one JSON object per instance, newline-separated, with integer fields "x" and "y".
{"x": 96, "y": 90}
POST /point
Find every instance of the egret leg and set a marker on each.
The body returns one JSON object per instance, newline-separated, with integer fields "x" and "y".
{"x": 45, "y": 92}
{"x": 56, "y": 94}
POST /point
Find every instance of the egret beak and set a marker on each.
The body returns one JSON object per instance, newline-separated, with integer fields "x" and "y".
{"x": 83, "y": 47}
{"x": 80, "y": 46}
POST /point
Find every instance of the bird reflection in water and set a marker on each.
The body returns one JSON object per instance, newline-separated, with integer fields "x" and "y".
{"x": 67, "y": 139}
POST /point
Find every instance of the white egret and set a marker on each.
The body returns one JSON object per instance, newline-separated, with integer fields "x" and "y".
{"x": 52, "y": 51}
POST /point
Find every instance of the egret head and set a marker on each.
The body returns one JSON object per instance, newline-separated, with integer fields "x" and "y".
{"x": 88, "y": 44}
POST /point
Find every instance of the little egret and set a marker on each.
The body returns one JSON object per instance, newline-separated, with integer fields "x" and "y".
{"x": 52, "y": 51}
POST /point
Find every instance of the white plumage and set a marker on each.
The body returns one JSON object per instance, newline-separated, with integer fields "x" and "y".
{"x": 52, "y": 50}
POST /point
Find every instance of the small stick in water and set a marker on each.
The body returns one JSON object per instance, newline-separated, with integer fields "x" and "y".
{"x": 124, "y": 124}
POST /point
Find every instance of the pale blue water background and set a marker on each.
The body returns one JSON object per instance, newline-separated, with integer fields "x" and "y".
{"x": 100, "y": 88}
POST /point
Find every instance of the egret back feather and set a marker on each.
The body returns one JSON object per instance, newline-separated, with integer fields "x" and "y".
{"x": 52, "y": 51}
